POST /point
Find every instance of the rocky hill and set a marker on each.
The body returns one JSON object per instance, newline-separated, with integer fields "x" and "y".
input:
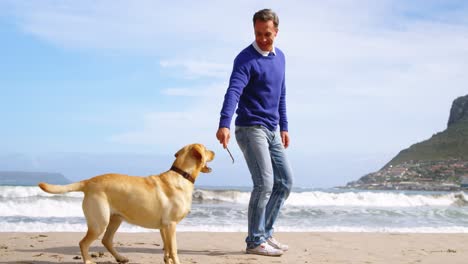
{"x": 22, "y": 178}
{"x": 438, "y": 163}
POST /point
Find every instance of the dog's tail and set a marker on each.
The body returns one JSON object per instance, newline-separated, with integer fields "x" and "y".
{"x": 58, "y": 189}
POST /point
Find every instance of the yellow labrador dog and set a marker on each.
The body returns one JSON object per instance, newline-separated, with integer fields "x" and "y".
{"x": 157, "y": 201}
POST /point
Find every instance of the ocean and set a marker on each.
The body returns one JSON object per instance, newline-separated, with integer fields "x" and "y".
{"x": 224, "y": 209}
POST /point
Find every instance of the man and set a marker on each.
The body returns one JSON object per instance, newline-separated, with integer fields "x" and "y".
{"x": 257, "y": 86}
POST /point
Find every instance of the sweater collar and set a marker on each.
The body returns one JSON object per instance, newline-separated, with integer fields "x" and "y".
{"x": 263, "y": 53}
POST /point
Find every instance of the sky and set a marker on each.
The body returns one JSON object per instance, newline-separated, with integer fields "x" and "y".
{"x": 89, "y": 87}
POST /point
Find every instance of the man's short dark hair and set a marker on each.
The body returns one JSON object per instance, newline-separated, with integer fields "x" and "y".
{"x": 266, "y": 15}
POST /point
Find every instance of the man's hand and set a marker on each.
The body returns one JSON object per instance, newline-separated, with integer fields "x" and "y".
{"x": 223, "y": 135}
{"x": 285, "y": 138}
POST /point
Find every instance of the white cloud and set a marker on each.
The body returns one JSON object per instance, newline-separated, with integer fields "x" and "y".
{"x": 154, "y": 27}
{"x": 374, "y": 88}
{"x": 169, "y": 129}
{"x": 198, "y": 69}
{"x": 374, "y": 76}
{"x": 194, "y": 122}
{"x": 365, "y": 70}
{"x": 212, "y": 91}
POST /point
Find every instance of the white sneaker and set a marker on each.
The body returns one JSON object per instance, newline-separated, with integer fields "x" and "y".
{"x": 265, "y": 249}
{"x": 276, "y": 244}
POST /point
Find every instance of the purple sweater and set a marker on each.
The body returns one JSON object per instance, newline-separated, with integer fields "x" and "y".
{"x": 257, "y": 85}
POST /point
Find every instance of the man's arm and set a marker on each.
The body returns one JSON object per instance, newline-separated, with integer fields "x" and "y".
{"x": 283, "y": 118}
{"x": 239, "y": 78}
{"x": 283, "y": 122}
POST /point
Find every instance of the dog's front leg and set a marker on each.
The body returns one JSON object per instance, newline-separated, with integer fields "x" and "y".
{"x": 168, "y": 234}
{"x": 163, "y": 232}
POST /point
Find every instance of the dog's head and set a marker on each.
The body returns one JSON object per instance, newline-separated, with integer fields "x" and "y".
{"x": 193, "y": 159}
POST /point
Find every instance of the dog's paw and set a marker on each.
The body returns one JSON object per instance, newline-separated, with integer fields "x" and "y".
{"x": 122, "y": 259}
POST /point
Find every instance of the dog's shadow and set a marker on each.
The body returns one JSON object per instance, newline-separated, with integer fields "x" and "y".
{"x": 67, "y": 252}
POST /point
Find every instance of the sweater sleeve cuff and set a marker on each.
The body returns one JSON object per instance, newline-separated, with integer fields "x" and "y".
{"x": 224, "y": 123}
{"x": 284, "y": 127}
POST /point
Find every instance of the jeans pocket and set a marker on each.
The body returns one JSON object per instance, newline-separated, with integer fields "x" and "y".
{"x": 241, "y": 137}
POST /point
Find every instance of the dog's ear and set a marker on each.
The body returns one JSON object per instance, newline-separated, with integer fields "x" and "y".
{"x": 178, "y": 152}
{"x": 199, "y": 153}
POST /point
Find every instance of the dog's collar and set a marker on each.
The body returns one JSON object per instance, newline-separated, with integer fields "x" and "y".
{"x": 183, "y": 174}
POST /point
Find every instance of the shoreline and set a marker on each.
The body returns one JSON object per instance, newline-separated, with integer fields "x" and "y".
{"x": 222, "y": 247}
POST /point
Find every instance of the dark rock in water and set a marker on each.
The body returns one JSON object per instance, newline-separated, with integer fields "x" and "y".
{"x": 23, "y": 178}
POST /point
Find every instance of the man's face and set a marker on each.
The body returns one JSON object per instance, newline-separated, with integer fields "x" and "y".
{"x": 265, "y": 34}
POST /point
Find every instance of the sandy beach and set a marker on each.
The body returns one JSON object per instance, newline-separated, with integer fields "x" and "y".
{"x": 44, "y": 248}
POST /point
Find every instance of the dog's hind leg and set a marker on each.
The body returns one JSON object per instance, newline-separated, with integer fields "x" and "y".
{"x": 97, "y": 214}
{"x": 112, "y": 227}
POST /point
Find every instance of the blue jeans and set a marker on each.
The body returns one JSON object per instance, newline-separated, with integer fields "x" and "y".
{"x": 272, "y": 179}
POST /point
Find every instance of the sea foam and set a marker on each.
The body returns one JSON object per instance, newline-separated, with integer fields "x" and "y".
{"x": 29, "y": 209}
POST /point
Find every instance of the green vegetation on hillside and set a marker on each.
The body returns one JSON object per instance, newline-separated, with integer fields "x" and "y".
{"x": 439, "y": 163}
{"x": 451, "y": 143}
